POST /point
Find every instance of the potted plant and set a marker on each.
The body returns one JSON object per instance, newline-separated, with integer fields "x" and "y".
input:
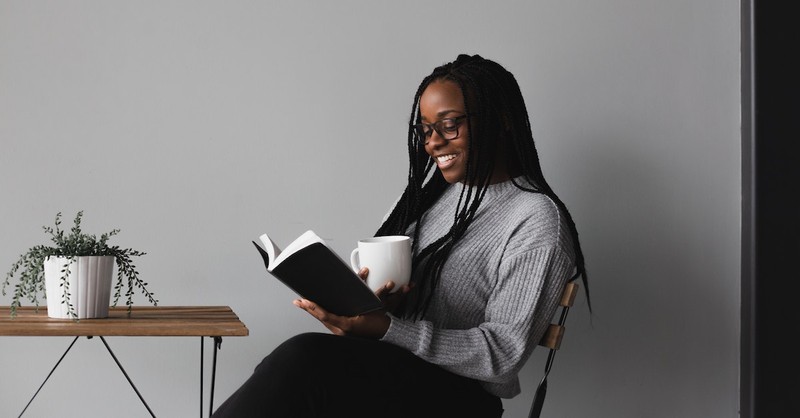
{"x": 75, "y": 274}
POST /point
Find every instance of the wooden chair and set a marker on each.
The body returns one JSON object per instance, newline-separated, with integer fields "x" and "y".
{"x": 552, "y": 340}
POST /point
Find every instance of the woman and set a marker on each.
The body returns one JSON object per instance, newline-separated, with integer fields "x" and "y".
{"x": 493, "y": 248}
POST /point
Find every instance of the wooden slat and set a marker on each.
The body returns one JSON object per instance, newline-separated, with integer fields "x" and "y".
{"x": 568, "y": 297}
{"x": 552, "y": 338}
{"x": 201, "y": 321}
{"x": 555, "y": 332}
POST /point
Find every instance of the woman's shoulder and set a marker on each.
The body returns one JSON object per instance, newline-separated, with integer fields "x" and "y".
{"x": 525, "y": 205}
{"x": 534, "y": 208}
{"x": 534, "y": 202}
{"x": 534, "y": 220}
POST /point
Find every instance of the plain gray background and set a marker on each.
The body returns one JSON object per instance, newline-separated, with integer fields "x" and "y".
{"x": 195, "y": 126}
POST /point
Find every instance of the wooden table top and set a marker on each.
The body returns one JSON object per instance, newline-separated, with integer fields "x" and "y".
{"x": 149, "y": 321}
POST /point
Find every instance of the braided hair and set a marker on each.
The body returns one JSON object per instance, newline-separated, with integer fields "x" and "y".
{"x": 492, "y": 97}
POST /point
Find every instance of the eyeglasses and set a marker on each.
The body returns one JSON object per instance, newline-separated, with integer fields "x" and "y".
{"x": 446, "y": 128}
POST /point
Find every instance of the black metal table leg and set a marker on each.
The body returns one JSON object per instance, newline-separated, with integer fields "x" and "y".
{"x": 48, "y": 376}
{"x": 127, "y": 377}
{"x": 115, "y": 360}
{"x": 202, "y": 382}
{"x": 217, "y": 346}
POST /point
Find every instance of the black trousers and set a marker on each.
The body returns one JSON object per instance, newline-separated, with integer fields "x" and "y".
{"x": 324, "y": 375}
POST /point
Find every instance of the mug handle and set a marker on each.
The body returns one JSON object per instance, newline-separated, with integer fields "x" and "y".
{"x": 353, "y": 263}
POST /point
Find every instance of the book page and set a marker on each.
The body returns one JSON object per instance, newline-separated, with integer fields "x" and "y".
{"x": 272, "y": 249}
{"x": 308, "y": 238}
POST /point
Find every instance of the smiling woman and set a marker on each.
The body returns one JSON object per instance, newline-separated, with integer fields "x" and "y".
{"x": 442, "y": 104}
{"x": 493, "y": 247}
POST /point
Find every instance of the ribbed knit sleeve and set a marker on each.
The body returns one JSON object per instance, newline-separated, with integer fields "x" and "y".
{"x": 497, "y": 293}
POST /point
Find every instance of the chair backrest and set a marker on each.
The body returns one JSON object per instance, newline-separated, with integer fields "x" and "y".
{"x": 552, "y": 340}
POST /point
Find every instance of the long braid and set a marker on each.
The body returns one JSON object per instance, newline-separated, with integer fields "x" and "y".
{"x": 526, "y": 150}
{"x": 492, "y": 95}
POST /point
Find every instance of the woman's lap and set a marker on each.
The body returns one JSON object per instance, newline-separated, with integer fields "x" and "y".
{"x": 323, "y": 375}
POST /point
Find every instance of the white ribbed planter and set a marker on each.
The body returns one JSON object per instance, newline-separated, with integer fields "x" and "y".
{"x": 89, "y": 286}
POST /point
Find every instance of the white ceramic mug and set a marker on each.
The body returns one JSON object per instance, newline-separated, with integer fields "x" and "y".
{"x": 387, "y": 258}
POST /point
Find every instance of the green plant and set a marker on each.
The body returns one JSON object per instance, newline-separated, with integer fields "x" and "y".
{"x": 30, "y": 265}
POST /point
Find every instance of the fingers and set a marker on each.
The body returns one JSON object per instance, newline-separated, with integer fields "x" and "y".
{"x": 406, "y": 288}
{"x": 385, "y": 289}
{"x": 310, "y": 307}
{"x": 363, "y": 273}
{"x": 329, "y": 320}
{"x": 392, "y": 300}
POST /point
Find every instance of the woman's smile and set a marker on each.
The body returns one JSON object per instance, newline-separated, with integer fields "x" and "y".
{"x": 445, "y": 161}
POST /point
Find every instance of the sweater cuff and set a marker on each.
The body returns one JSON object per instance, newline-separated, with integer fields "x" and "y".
{"x": 401, "y": 333}
{"x": 395, "y": 327}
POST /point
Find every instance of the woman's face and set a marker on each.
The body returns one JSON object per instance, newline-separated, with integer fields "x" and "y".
{"x": 441, "y": 108}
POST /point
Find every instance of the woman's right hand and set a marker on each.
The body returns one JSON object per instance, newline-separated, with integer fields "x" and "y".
{"x": 390, "y": 300}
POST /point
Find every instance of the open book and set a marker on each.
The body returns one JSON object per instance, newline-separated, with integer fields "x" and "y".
{"x": 315, "y": 272}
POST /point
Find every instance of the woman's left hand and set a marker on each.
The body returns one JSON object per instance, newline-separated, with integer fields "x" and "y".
{"x": 370, "y": 325}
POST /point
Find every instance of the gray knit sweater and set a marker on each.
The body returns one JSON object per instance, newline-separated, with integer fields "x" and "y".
{"x": 498, "y": 289}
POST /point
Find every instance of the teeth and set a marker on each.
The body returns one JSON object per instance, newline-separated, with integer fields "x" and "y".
{"x": 444, "y": 158}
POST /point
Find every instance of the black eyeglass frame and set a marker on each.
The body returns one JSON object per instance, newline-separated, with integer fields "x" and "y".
{"x": 438, "y": 126}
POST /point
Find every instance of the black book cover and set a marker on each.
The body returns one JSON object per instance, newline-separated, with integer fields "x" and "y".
{"x": 319, "y": 275}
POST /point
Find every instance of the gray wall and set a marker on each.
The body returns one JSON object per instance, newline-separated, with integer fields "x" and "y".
{"x": 195, "y": 126}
